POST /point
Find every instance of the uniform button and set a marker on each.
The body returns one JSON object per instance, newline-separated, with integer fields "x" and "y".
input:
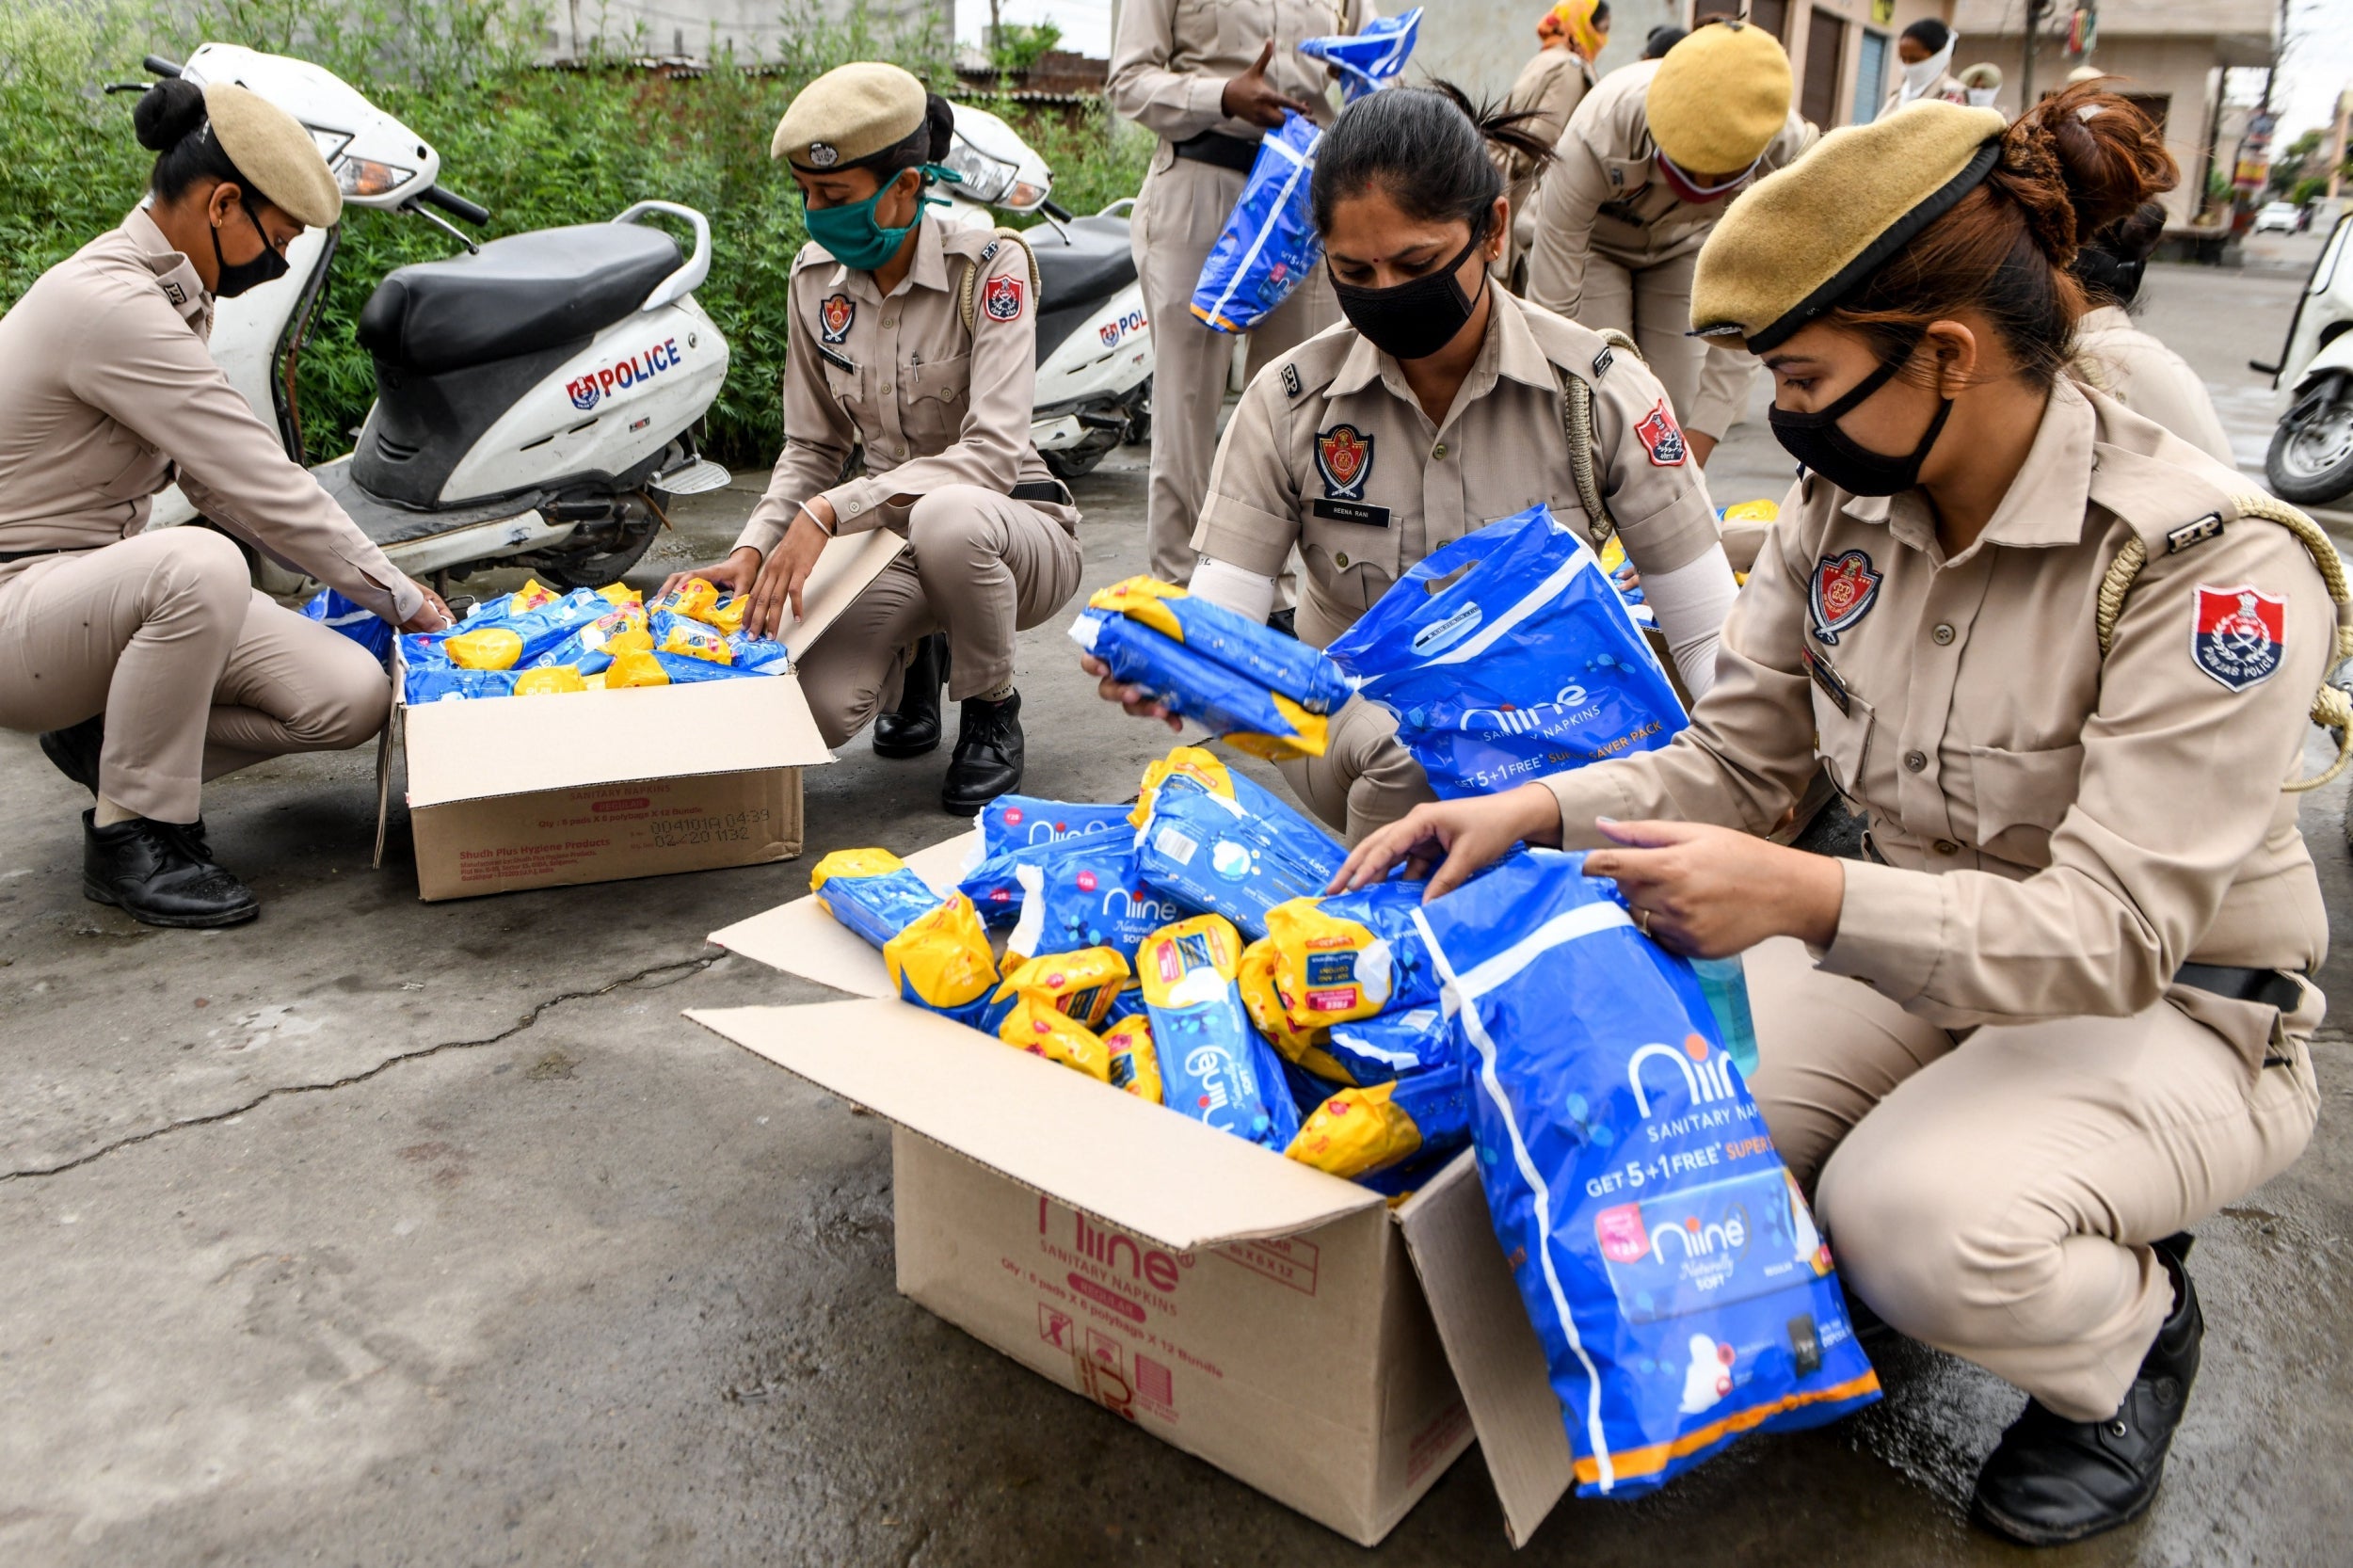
{"x": 1915, "y": 760}
{"x": 1341, "y": 558}
{"x": 886, "y": 389}
{"x": 1438, "y": 451}
{"x": 1946, "y": 846}
{"x": 890, "y": 321}
{"x": 1942, "y": 634}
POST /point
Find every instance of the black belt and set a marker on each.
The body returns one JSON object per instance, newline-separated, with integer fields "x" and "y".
{"x": 2266, "y": 988}
{"x": 1049, "y": 491}
{"x": 8, "y": 557}
{"x": 1215, "y": 147}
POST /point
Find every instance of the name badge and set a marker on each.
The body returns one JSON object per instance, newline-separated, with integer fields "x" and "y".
{"x": 1827, "y": 678}
{"x": 1350, "y": 511}
{"x": 839, "y": 362}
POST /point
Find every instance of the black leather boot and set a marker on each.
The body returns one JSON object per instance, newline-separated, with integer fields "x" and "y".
{"x": 987, "y": 763}
{"x": 75, "y": 748}
{"x": 161, "y": 873}
{"x": 914, "y": 728}
{"x": 2051, "y": 1479}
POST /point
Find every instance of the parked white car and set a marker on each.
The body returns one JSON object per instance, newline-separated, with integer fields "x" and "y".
{"x": 2276, "y": 215}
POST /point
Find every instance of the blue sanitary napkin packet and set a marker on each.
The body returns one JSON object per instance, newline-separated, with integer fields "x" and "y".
{"x": 1206, "y": 852}
{"x": 1668, "y": 1262}
{"x": 1214, "y": 1067}
{"x": 362, "y": 626}
{"x": 1371, "y": 59}
{"x": 1269, "y": 245}
{"x": 1394, "y": 1044}
{"x": 1527, "y": 664}
{"x": 1022, "y": 821}
{"x": 1084, "y": 892}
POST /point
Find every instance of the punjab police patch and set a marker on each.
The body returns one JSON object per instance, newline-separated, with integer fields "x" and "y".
{"x": 1344, "y": 458}
{"x": 2237, "y": 636}
{"x": 1000, "y": 299}
{"x": 1290, "y": 379}
{"x": 1842, "y": 593}
{"x": 1661, "y": 437}
{"x": 1603, "y": 360}
{"x": 834, "y": 318}
{"x": 823, "y": 154}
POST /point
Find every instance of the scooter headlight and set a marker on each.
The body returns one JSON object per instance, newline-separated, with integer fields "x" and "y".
{"x": 983, "y": 178}
{"x": 1023, "y": 196}
{"x": 367, "y": 177}
{"x": 329, "y": 142}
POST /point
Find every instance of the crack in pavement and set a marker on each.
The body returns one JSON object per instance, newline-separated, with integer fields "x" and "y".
{"x": 682, "y": 966}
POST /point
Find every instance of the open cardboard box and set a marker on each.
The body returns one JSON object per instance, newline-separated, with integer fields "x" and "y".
{"x": 1287, "y": 1326}
{"x": 511, "y": 793}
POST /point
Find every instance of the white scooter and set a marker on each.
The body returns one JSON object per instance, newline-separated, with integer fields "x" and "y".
{"x": 534, "y": 396}
{"x": 1093, "y": 344}
{"x": 2311, "y": 460}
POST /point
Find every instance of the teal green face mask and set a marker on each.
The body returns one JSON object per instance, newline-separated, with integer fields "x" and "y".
{"x": 849, "y": 233}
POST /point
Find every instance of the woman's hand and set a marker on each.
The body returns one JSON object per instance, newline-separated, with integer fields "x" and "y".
{"x": 1133, "y": 698}
{"x": 432, "y": 612}
{"x": 1459, "y": 837}
{"x": 1709, "y": 892}
{"x": 734, "y": 575}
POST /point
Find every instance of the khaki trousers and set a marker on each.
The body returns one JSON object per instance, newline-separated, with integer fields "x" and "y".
{"x": 197, "y": 673}
{"x": 980, "y": 566}
{"x": 1993, "y": 1191}
{"x": 1178, "y": 217}
{"x": 1365, "y": 780}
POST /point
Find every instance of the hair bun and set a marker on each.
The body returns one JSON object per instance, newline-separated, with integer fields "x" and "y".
{"x": 166, "y": 112}
{"x": 939, "y": 120}
{"x": 2080, "y": 161}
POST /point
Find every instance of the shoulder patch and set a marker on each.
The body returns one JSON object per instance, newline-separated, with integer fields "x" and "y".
{"x": 174, "y": 292}
{"x": 1844, "y": 588}
{"x": 1661, "y": 437}
{"x": 2237, "y": 634}
{"x": 1290, "y": 380}
{"x": 2188, "y": 534}
{"x": 835, "y": 314}
{"x": 1344, "y": 459}
{"x": 1603, "y": 360}
{"x": 1003, "y": 297}
{"x": 988, "y": 252}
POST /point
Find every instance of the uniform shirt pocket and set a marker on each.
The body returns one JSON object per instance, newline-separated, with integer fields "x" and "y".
{"x": 933, "y": 401}
{"x": 848, "y": 388}
{"x": 134, "y": 468}
{"x": 2021, "y": 797}
{"x": 1843, "y": 737}
{"x": 1241, "y": 27}
{"x": 1351, "y": 564}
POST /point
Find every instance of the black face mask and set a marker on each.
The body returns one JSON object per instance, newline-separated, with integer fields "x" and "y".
{"x": 1415, "y": 319}
{"x": 1815, "y": 441}
{"x": 267, "y": 267}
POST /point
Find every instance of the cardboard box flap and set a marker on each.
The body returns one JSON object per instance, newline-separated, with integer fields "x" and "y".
{"x": 1143, "y": 1167}
{"x": 801, "y": 939}
{"x": 476, "y": 750}
{"x": 1498, "y": 1361}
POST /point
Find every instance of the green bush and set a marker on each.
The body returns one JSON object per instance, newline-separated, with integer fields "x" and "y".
{"x": 537, "y": 147}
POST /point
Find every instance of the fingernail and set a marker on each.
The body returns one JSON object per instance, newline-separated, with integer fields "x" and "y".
{"x": 1611, "y": 820}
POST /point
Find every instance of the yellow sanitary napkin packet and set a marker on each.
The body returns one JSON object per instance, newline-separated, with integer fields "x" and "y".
{"x": 1135, "y": 1065}
{"x": 691, "y": 599}
{"x": 674, "y": 633}
{"x": 532, "y": 594}
{"x": 728, "y": 614}
{"x": 1356, "y": 1131}
{"x": 1754, "y": 511}
{"x": 1328, "y": 969}
{"x": 1081, "y": 984}
{"x": 1262, "y": 999}
{"x": 1037, "y": 1026}
{"x": 942, "y": 961}
{"x": 636, "y": 669}
{"x": 493, "y": 647}
{"x": 548, "y": 680}
{"x": 1194, "y": 763}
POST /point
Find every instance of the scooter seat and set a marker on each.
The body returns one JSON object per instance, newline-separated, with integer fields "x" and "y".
{"x": 1093, "y": 262}
{"x": 517, "y": 295}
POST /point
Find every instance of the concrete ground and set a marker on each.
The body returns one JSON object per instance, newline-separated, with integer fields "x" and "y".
{"x": 385, "y": 1232}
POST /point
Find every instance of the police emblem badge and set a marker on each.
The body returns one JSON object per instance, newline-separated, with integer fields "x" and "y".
{"x": 835, "y": 316}
{"x": 2238, "y": 635}
{"x": 823, "y": 154}
{"x": 1842, "y": 593}
{"x": 1661, "y": 435}
{"x": 1344, "y": 458}
{"x": 1000, "y": 299}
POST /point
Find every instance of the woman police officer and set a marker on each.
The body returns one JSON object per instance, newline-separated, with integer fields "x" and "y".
{"x": 919, "y": 343}
{"x": 147, "y": 658}
{"x": 2062, "y": 659}
{"x": 1439, "y": 406}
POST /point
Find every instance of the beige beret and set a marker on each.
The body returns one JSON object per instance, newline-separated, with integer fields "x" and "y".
{"x": 272, "y": 151}
{"x": 1802, "y": 238}
{"x": 1720, "y": 98}
{"x": 851, "y": 112}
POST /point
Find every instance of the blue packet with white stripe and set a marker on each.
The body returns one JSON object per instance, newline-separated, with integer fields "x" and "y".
{"x": 1527, "y": 663}
{"x": 1084, "y": 892}
{"x": 1410, "y": 1040}
{"x": 446, "y": 683}
{"x": 1214, "y": 1067}
{"x": 1023, "y": 822}
{"x": 1369, "y": 61}
{"x": 1269, "y": 245}
{"x": 1667, "y": 1259}
{"x": 362, "y": 625}
{"x": 1208, "y": 851}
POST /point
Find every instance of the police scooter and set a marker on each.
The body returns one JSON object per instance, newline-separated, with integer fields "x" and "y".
{"x": 2311, "y": 460}
{"x": 536, "y": 397}
{"x": 1093, "y": 344}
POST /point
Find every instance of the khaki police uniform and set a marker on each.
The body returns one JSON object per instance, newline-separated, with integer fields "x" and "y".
{"x": 1992, "y": 1079}
{"x": 1169, "y": 64}
{"x": 112, "y": 396}
{"x": 1947, "y": 88}
{"x": 1548, "y": 90}
{"x": 1615, "y": 246}
{"x": 2151, "y": 379}
{"x": 1330, "y": 453}
{"x": 942, "y": 413}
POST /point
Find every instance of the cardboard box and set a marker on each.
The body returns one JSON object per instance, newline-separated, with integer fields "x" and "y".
{"x": 1283, "y": 1325}
{"x": 511, "y": 793}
